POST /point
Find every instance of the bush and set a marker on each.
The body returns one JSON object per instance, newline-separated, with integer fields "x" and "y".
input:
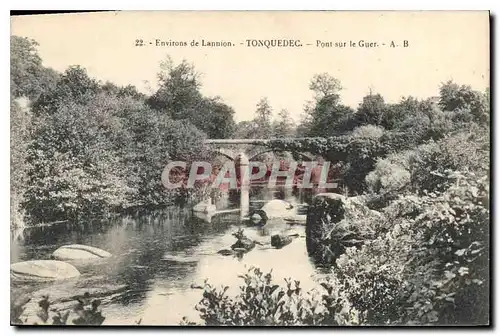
{"x": 85, "y": 311}
{"x": 424, "y": 261}
{"x": 262, "y": 302}
{"x": 368, "y": 131}
{"x": 362, "y": 154}
{"x": 387, "y": 177}
{"x": 430, "y": 260}
{"x": 102, "y": 157}
{"x": 20, "y": 130}
{"x": 75, "y": 168}
{"x": 427, "y": 167}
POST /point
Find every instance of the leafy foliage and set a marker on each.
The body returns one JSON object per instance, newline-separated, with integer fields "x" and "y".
{"x": 82, "y": 149}
{"x": 431, "y": 260}
{"x": 86, "y": 312}
{"x": 103, "y": 156}
{"x": 329, "y": 117}
{"x": 456, "y": 98}
{"x": 335, "y": 223}
{"x": 180, "y": 98}
{"x": 427, "y": 166}
{"x": 21, "y": 133}
{"x": 74, "y": 86}
{"x": 283, "y": 127}
{"x": 263, "y": 118}
{"x": 263, "y": 302}
{"x": 371, "y": 110}
{"x": 422, "y": 258}
{"x": 324, "y": 84}
{"x": 28, "y": 77}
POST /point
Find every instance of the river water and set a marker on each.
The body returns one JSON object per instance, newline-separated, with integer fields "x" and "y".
{"x": 160, "y": 256}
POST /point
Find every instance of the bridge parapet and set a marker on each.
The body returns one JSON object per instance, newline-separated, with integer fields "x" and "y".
{"x": 230, "y": 148}
{"x": 258, "y": 142}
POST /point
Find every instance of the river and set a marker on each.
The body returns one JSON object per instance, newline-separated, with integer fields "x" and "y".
{"x": 160, "y": 256}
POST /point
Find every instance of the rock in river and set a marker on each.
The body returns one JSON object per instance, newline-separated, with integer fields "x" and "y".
{"x": 279, "y": 240}
{"x": 42, "y": 270}
{"x": 273, "y": 209}
{"x": 243, "y": 244}
{"x": 79, "y": 252}
{"x": 206, "y": 207}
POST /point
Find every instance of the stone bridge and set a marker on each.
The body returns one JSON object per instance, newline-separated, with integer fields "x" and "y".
{"x": 246, "y": 150}
{"x": 252, "y": 148}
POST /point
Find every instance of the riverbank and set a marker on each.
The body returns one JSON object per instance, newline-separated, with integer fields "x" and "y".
{"x": 158, "y": 259}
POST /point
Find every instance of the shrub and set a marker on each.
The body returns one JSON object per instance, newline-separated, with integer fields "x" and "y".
{"x": 362, "y": 154}
{"x": 425, "y": 262}
{"x": 387, "y": 177}
{"x": 85, "y": 311}
{"x": 20, "y": 129}
{"x": 75, "y": 168}
{"x": 108, "y": 155}
{"x": 263, "y": 302}
{"x": 427, "y": 167}
{"x": 429, "y": 262}
{"x": 368, "y": 131}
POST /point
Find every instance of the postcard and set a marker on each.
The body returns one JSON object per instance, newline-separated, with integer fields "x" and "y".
{"x": 284, "y": 168}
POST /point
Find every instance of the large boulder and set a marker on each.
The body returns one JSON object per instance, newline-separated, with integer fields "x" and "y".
{"x": 335, "y": 222}
{"x": 278, "y": 209}
{"x": 205, "y": 207}
{"x": 280, "y": 240}
{"x": 274, "y": 209}
{"x": 243, "y": 243}
{"x": 79, "y": 252}
{"x": 42, "y": 270}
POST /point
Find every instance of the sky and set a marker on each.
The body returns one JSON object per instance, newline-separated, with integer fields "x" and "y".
{"x": 442, "y": 46}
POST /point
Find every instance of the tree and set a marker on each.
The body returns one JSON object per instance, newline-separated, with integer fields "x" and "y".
{"x": 284, "y": 126}
{"x": 28, "y": 77}
{"x": 371, "y": 110}
{"x": 329, "y": 117}
{"x": 110, "y": 88}
{"x": 463, "y": 100}
{"x": 76, "y": 169}
{"x": 74, "y": 85}
{"x": 263, "y": 115}
{"x": 103, "y": 156}
{"x": 123, "y": 91}
{"x": 305, "y": 119}
{"x": 245, "y": 129}
{"x": 215, "y": 118}
{"x": 179, "y": 97}
{"x": 131, "y": 91}
{"x": 364, "y": 148}
{"x": 324, "y": 84}
{"x": 179, "y": 90}
{"x": 20, "y": 129}
{"x": 325, "y": 116}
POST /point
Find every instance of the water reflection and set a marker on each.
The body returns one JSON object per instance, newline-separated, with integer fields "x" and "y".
{"x": 160, "y": 255}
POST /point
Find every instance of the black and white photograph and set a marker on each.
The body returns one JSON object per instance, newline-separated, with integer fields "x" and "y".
{"x": 250, "y": 168}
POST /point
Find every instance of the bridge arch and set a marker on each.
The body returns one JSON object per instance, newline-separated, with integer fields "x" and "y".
{"x": 229, "y": 148}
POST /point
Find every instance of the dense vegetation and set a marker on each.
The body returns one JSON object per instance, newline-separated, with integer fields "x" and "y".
{"x": 85, "y": 311}
{"x": 83, "y": 149}
{"x": 86, "y": 149}
{"x": 421, "y": 167}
